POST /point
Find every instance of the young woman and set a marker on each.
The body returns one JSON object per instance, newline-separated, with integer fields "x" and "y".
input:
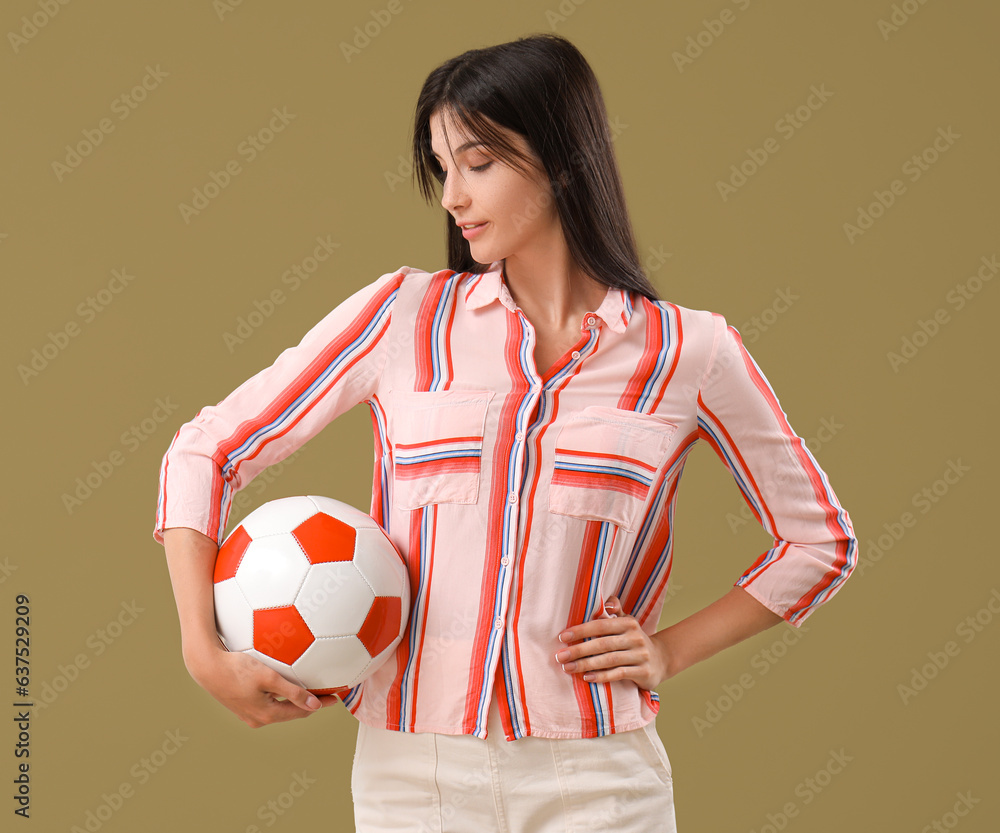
{"x": 533, "y": 405}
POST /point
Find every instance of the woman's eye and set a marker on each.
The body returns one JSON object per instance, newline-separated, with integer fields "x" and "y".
{"x": 442, "y": 175}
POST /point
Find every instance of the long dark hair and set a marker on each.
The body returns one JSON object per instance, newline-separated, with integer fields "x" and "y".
{"x": 541, "y": 87}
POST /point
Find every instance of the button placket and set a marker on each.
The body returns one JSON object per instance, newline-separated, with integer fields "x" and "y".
{"x": 512, "y": 513}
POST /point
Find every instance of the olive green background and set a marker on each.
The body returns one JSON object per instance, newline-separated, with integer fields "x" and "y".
{"x": 112, "y": 688}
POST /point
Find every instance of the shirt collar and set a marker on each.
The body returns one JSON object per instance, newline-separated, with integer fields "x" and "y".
{"x": 615, "y": 310}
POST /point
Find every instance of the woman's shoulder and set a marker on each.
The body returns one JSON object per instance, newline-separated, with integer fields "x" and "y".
{"x": 409, "y": 287}
{"x": 692, "y": 317}
{"x": 416, "y": 278}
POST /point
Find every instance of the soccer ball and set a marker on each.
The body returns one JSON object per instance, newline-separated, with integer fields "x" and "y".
{"x": 313, "y": 588}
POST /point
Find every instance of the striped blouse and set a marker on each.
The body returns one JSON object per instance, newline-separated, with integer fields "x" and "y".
{"x": 521, "y": 501}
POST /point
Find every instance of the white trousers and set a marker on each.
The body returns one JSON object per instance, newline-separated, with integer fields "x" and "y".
{"x": 434, "y": 783}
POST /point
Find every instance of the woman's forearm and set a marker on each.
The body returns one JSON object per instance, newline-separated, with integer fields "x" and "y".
{"x": 191, "y": 563}
{"x": 725, "y": 622}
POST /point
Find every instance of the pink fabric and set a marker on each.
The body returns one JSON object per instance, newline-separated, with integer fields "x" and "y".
{"x": 522, "y": 500}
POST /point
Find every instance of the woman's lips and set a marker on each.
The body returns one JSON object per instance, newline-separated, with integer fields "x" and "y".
{"x": 469, "y": 233}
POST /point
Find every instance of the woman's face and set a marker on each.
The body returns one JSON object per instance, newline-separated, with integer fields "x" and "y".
{"x": 518, "y": 213}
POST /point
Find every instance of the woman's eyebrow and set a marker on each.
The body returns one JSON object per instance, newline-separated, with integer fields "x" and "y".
{"x": 462, "y": 148}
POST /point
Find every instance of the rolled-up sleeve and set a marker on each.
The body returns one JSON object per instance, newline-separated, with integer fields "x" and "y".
{"x": 815, "y": 548}
{"x": 335, "y": 366}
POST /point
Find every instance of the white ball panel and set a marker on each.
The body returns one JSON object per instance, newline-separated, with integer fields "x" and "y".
{"x": 379, "y": 563}
{"x": 233, "y": 616}
{"x": 344, "y": 512}
{"x": 334, "y": 599}
{"x": 329, "y": 663}
{"x": 281, "y": 515}
{"x": 286, "y": 671}
{"x": 272, "y": 571}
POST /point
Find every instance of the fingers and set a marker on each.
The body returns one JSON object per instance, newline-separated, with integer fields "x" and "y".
{"x": 298, "y": 696}
{"x": 619, "y": 623}
{"x": 282, "y": 700}
{"x": 624, "y": 637}
{"x": 605, "y": 649}
{"x": 613, "y": 607}
{"x": 601, "y": 652}
{"x": 260, "y": 695}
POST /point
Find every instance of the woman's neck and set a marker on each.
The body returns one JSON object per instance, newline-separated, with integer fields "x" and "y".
{"x": 551, "y": 290}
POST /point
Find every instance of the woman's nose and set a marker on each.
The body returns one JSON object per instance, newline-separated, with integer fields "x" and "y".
{"x": 453, "y": 193}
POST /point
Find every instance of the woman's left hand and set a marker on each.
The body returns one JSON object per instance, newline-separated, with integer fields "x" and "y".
{"x": 614, "y": 648}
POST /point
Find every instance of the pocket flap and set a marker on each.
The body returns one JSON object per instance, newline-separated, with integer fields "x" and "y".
{"x": 605, "y": 462}
{"x": 437, "y": 441}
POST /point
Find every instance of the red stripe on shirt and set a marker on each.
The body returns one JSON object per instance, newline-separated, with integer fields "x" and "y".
{"x": 424, "y": 332}
{"x": 578, "y": 615}
{"x": 677, "y": 343}
{"x": 494, "y": 535}
{"x": 647, "y": 360}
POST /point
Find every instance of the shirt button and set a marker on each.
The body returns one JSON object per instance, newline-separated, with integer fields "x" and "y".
{"x": 576, "y": 354}
{"x": 511, "y": 498}
{"x": 519, "y": 436}
{"x": 591, "y": 321}
{"x": 498, "y": 624}
{"x": 505, "y": 561}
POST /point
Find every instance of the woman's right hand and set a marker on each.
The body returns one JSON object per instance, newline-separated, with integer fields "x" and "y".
{"x": 250, "y": 689}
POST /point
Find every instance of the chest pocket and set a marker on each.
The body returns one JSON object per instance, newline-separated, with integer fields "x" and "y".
{"x": 605, "y": 462}
{"x": 438, "y": 446}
